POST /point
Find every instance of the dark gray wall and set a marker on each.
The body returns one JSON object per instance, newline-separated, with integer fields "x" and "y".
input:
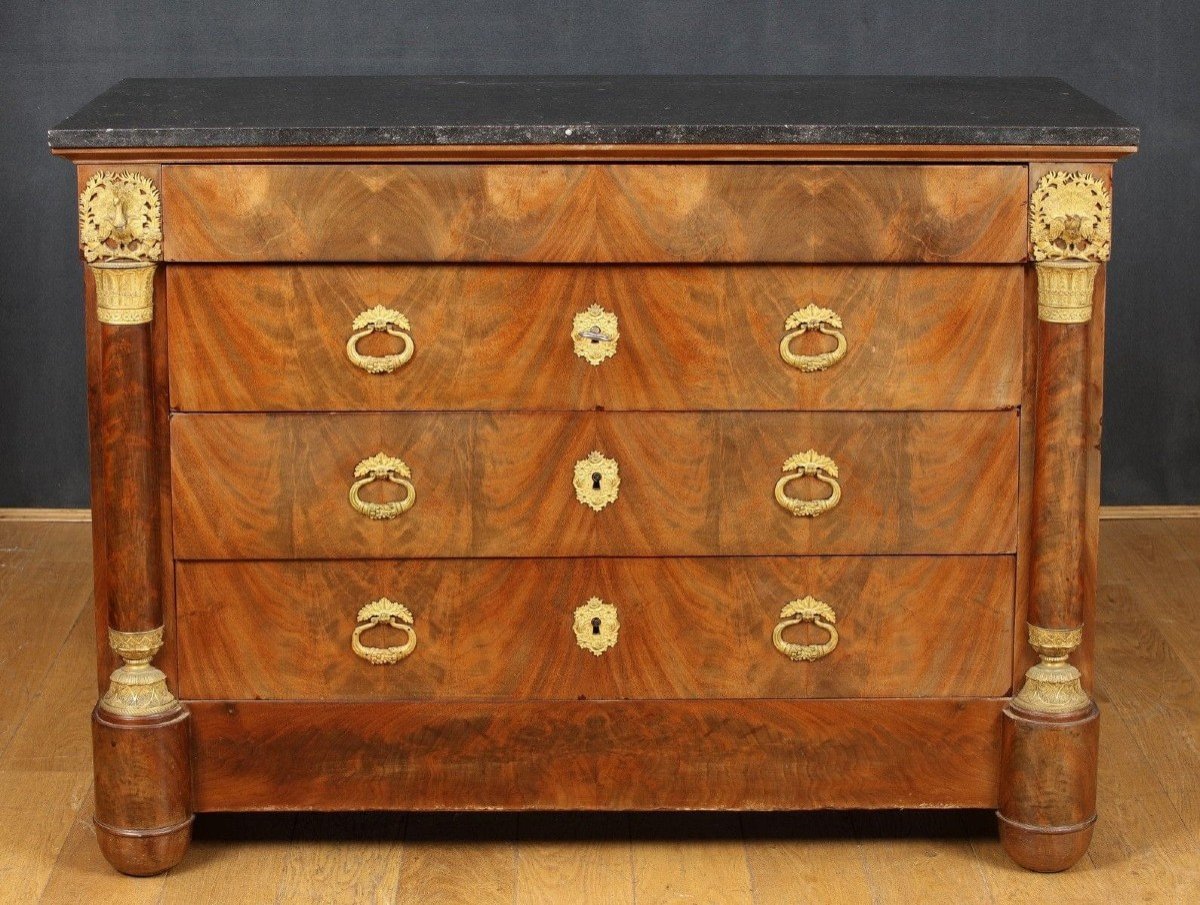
{"x": 1140, "y": 58}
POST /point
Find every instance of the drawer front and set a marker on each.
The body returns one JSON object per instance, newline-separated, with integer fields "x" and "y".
{"x": 684, "y": 628}
{"x": 249, "y": 486}
{"x": 594, "y": 212}
{"x": 263, "y": 338}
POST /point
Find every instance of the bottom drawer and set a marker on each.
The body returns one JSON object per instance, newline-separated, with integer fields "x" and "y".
{"x": 597, "y": 629}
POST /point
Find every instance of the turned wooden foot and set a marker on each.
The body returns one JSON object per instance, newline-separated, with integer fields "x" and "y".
{"x": 143, "y": 790}
{"x": 1048, "y": 787}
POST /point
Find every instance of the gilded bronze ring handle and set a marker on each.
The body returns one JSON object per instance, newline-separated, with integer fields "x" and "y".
{"x": 380, "y": 320}
{"x": 811, "y": 610}
{"x": 822, "y": 320}
{"x": 384, "y": 612}
{"x": 382, "y": 468}
{"x": 808, "y": 464}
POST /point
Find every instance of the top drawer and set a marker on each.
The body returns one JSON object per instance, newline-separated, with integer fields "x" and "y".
{"x": 595, "y": 213}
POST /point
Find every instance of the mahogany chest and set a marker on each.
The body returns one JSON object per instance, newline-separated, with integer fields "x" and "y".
{"x": 594, "y": 444}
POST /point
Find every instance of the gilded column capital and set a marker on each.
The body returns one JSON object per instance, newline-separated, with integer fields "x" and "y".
{"x": 1070, "y": 233}
{"x": 120, "y": 235}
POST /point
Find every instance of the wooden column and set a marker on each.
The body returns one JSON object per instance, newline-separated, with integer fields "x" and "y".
{"x": 1048, "y": 779}
{"x": 139, "y": 730}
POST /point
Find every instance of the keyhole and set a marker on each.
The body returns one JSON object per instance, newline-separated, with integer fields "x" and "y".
{"x": 596, "y": 480}
{"x": 595, "y": 625}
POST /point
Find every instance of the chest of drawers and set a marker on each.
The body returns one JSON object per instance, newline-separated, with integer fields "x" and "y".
{"x": 731, "y": 465}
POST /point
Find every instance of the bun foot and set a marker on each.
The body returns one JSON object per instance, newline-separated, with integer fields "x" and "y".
{"x": 143, "y": 790}
{"x": 143, "y": 853}
{"x": 1046, "y": 850}
{"x": 1048, "y": 786}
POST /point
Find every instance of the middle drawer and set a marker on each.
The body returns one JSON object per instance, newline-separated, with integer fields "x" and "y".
{"x": 295, "y": 486}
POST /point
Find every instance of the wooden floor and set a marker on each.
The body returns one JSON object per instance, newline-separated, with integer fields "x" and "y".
{"x": 1146, "y": 848}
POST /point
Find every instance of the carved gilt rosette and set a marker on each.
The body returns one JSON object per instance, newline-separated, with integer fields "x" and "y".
{"x": 1070, "y": 230}
{"x": 120, "y": 235}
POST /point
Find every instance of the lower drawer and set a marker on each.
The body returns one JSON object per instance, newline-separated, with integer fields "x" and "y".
{"x": 677, "y": 628}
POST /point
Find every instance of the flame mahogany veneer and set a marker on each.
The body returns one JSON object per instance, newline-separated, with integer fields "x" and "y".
{"x": 227, "y": 429}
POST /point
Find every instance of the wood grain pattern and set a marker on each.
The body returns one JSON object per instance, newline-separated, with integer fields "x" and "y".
{"x": 128, "y": 470}
{"x": 459, "y": 860}
{"x": 1048, "y": 761}
{"x": 594, "y": 212}
{"x": 707, "y": 865}
{"x": 1060, "y": 477}
{"x": 275, "y": 486}
{"x": 498, "y": 708}
{"x": 645, "y": 755}
{"x": 271, "y": 338}
{"x": 143, "y": 790}
{"x": 44, "y": 587}
{"x": 1047, "y": 806}
{"x": 142, "y": 530}
{"x": 560, "y": 855}
{"x": 1146, "y": 846}
{"x": 502, "y": 629}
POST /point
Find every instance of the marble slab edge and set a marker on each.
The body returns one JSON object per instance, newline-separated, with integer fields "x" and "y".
{"x": 587, "y": 134}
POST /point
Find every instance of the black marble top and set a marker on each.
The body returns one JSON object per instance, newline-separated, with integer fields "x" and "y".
{"x": 590, "y": 110}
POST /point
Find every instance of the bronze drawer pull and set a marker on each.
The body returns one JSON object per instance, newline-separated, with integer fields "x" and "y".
{"x": 822, "y": 320}
{"x": 595, "y": 334}
{"x": 808, "y": 464}
{"x": 596, "y": 626}
{"x": 809, "y": 609}
{"x": 380, "y": 320}
{"x": 384, "y": 612}
{"x": 382, "y": 467}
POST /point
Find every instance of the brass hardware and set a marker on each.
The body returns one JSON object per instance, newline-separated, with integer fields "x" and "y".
{"x": 136, "y": 646}
{"x": 808, "y": 464}
{"x": 822, "y": 320}
{"x": 384, "y": 612}
{"x": 596, "y": 626}
{"x": 1070, "y": 218}
{"x": 382, "y": 467}
{"x": 1070, "y": 231}
{"x": 597, "y": 480}
{"x": 808, "y": 609}
{"x": 380, "y": 320}
{"x": 137, "y": 689}
{"x": 1052, "y": 685}
{"x": 120, "y": 218}
{"x": 120, "y": 235}
{"x": 1065, "y": 291}
{"x": 595, "y": 334}
{"x": 124, "y": 292}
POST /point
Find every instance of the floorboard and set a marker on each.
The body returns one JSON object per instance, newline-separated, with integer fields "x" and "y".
{"x": 1146, "y": 847}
